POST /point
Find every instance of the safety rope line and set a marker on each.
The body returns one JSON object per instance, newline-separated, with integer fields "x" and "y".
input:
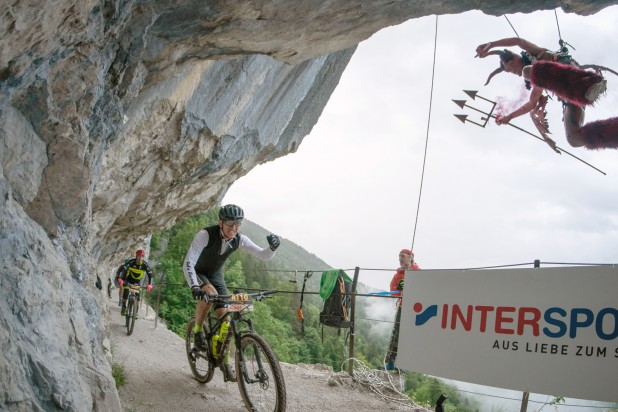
{"x": 382, "y": 384}
{"x": 557, "y": 25}
{"x": 507, "y": 19}
{"x": 420, "y": 191}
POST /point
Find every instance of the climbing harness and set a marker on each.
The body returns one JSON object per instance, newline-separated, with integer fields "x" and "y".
{"x": 299, "y": 312}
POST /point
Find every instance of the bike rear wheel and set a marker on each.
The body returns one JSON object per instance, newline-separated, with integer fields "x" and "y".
{"x": 200, "y": 361}
{"x": 131, "y": 313}
{"x": 260, "y": 379}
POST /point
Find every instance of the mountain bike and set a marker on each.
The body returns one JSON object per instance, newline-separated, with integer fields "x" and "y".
{"x": 259, "y": 375}
{"x": 132, "y": 306}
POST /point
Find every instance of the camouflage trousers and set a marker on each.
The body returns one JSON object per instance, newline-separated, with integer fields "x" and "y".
{"x": 391, "y": 355}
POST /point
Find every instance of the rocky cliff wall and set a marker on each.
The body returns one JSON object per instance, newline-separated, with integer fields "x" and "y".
{"x": 118, "y": 118}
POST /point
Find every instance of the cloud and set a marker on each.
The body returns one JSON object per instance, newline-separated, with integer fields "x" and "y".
{"x": 490, "y": 196}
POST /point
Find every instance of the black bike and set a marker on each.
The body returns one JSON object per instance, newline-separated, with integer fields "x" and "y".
{"x": 132, "y": 306}
{"x": 259, "y": 374}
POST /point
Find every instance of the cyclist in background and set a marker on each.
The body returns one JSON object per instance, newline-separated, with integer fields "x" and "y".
{"x": 203, "y": 267}
{"x": 133, "y": 273}
{"x": 116, "y": 283}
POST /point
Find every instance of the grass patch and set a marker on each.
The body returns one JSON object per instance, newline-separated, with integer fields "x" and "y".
{"x": 119, "y": 375}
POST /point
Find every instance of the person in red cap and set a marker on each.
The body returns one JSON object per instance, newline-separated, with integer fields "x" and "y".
{"x": 406, "y": 262}
{"x": 133, "y": 272}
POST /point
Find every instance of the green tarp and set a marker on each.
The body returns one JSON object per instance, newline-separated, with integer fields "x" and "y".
{"x": 329, "y": 278}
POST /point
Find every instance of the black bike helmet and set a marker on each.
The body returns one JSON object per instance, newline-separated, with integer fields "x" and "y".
{"x": 231, "y": 212}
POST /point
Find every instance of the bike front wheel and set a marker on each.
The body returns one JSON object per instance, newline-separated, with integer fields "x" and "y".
{"x": 260, "y": 378}
{"x": 199, "y": 360}
{"x": 130, "y": 316}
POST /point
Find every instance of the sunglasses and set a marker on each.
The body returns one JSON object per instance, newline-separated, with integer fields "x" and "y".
{"x": 232, "y": 223}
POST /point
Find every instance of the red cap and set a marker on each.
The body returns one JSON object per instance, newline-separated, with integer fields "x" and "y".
{"x": 407, "y": 252}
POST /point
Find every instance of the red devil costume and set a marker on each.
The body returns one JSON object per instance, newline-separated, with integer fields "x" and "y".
{"x": 558, "y": 73}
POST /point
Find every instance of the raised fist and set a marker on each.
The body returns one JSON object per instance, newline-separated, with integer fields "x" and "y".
{"x": 273, "y": 241}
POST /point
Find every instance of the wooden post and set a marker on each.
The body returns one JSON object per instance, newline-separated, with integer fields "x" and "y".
{"x": 526, "y": 395}
{"x": 524, "y": 402}
{"x": 158, "y": 299}
{"x": 352, "y": 313}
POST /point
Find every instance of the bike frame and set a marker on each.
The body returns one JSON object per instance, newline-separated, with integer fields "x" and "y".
{"x": 134, "y": 294}
{"x": 258, "y": 373}
{"x": 132, "y": 302}
{"x": 237, "y": 317}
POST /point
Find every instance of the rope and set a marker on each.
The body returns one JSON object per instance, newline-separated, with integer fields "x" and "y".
{"x": 433, "y": 73}
{"x": 507, "y": 19}
{"x": 386, "y": 389}
{"x": 557, "y": 24}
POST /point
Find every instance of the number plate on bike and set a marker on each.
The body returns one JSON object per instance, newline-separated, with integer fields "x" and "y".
{"x": 240, "y": 307}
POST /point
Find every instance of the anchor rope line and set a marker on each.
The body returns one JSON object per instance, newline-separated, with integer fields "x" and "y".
{"x": 433, "y": 75}
{"x": 507, "y": 19}
{"x": 558, "y": 25}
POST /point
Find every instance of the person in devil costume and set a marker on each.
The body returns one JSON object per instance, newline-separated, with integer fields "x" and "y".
{"x": 575, "y": 85}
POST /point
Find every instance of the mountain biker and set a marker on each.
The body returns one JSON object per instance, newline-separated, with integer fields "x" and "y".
{"x": 132, "y": 273}
{"x": 203, "y": 267}
{"x": 406, "y": 262}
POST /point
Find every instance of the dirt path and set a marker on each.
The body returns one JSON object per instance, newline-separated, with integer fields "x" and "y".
{"x": 158, "y": 377}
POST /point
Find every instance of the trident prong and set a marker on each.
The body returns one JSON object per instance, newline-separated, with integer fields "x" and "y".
{"x": 473, "y": 95}
{"x": 488, "y": 115}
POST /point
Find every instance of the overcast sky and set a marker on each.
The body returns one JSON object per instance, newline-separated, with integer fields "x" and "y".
{"x": 491, "y": 196}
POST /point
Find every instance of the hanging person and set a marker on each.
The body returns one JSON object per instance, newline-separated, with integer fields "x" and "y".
{"x": 558, "y": 73}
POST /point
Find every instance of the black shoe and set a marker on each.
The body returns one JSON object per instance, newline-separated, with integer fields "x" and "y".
{"x": 229, "y": 374}
{"x": 199, "y": 340}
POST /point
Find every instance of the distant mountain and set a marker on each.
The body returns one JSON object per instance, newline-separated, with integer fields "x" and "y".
{"x": 291, "y": 256}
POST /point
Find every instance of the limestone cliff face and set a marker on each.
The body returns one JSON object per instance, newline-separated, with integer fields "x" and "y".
{"x": 118, "y": 118}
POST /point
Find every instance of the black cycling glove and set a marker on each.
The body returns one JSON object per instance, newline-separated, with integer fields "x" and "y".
{"x": 197, "y": 293}
{"x": 273, "y": 241}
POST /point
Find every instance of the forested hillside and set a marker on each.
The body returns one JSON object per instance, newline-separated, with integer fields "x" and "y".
{"x": 276, "y": 319}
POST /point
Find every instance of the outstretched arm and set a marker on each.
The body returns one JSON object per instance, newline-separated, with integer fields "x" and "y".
{"x": 253, "y": 249}
{"x": 484, "y": 49}
{"x": 535, "y": 95}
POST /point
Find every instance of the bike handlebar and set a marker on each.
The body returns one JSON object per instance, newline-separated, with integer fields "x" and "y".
{"x": 238, "y": 297}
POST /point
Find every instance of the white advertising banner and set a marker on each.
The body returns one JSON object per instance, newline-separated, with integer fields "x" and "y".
{"x": 546, "y": 330}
